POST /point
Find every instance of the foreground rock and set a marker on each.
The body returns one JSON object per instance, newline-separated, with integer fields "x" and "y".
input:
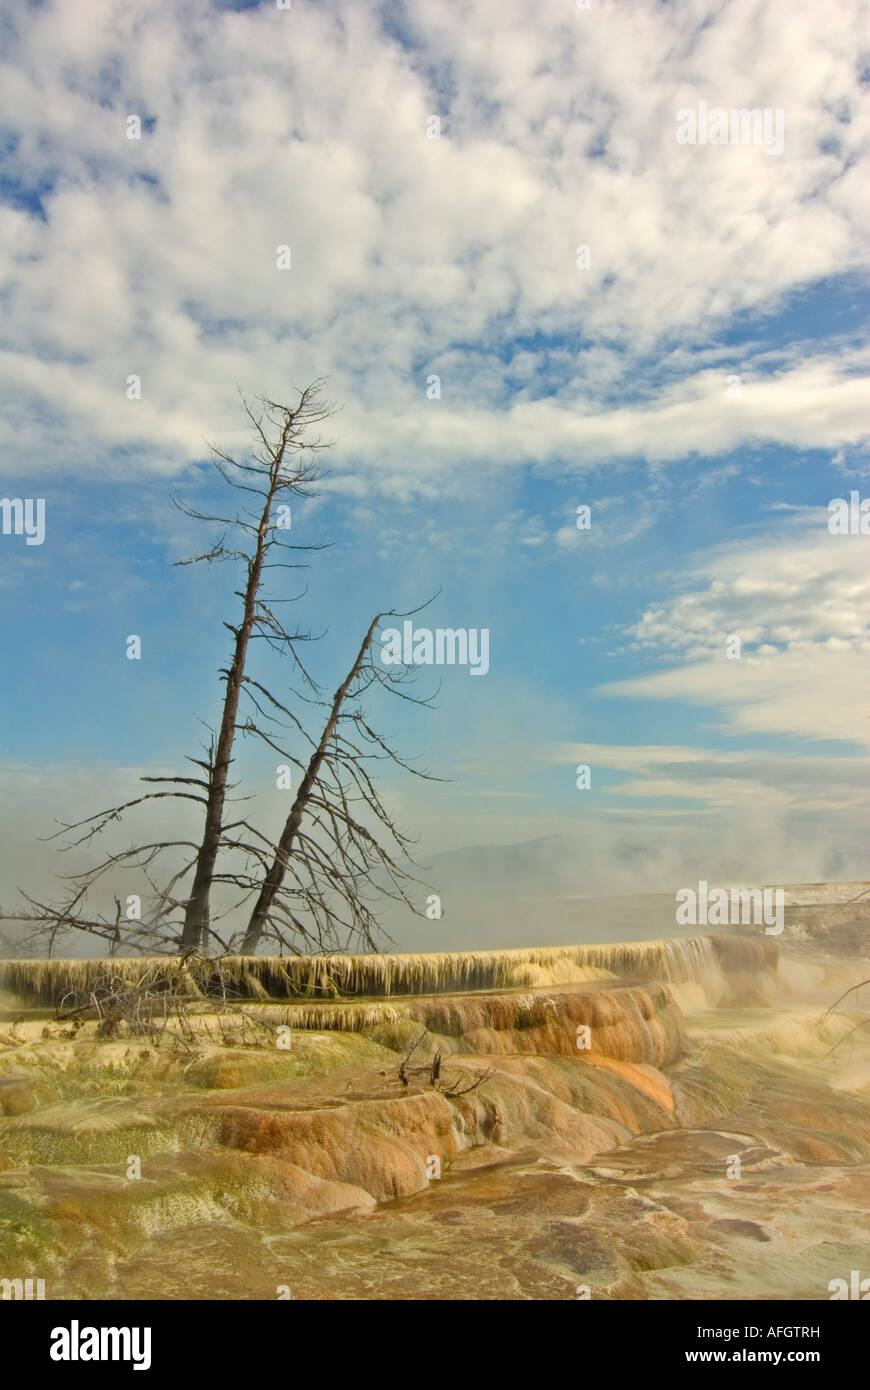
{"x": 719, "y": 1152}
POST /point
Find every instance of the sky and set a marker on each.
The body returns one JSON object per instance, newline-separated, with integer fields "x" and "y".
{"x": 528, "y": 296}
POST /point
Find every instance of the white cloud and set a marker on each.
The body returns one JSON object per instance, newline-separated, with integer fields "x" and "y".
{"x": 727, "y": 778}
{"x": 801, "y": 606}
{"x": 308, "y": 127}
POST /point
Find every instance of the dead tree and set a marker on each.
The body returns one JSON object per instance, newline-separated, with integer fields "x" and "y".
{"x": 163, "y": 1002}
{"x": 279, "y": 468}
{"x": 864, "y": 1023}
{"x": 339, "y": 845}
{"x": 338, "y": 837}
{"x": 459, "y": 1085}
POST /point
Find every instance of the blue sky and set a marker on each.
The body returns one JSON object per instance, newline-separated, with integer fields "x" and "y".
{"x": 610, "y": 386}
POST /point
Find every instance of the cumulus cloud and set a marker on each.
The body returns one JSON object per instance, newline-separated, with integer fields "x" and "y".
{"x": 412, "y": 256}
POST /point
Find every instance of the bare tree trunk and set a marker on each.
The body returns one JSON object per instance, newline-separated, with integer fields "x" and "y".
{"x": 309, "y": 889}
{"x": 278, "y": 867}
{"x": 196, "y": 916}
